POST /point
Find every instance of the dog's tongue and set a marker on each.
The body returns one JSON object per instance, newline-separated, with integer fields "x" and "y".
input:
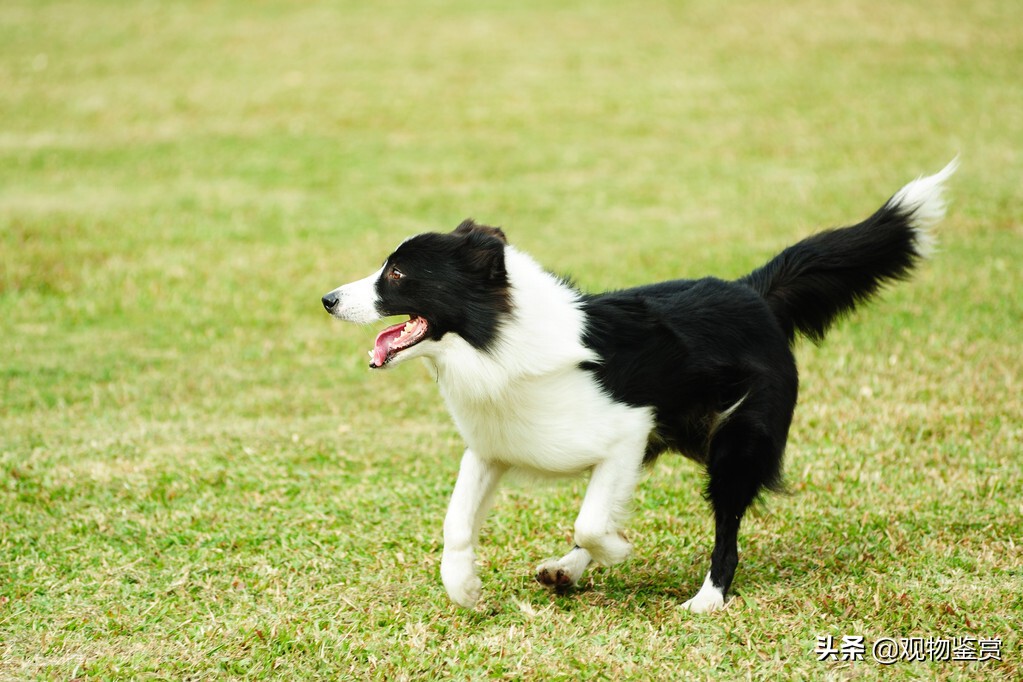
{"x": 383, "y": 344}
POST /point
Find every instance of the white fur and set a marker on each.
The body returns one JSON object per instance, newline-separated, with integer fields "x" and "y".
{"x": 542, "y": 336}
{"x": 501, "y": 402}
{"x": 924, "y": 201}
{"x": 710, "y": 598}
{"x": 357, "y": 302}
{"x": 719, "y": 418}
{"x": 472, "y": 497}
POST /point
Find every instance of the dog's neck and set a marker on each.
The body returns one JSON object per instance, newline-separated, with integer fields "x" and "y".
{"x": 542, "y": 335}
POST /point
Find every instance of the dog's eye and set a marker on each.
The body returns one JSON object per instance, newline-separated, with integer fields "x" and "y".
{"x": 395, "y": 274}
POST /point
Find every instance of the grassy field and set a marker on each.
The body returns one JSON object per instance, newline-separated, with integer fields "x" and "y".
{"x": 199, "y": 478}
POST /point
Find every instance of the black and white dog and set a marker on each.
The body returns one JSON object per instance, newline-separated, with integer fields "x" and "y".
{"x": 544, "y": 378}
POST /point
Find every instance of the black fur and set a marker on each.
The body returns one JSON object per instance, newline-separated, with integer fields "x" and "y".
{"x": 811, "y": 284}
{"x": 456, "y": 281}
{"x": 695, "y": 349}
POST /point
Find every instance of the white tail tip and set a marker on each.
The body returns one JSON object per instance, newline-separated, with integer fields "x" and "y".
{"x": 923, "y": 203}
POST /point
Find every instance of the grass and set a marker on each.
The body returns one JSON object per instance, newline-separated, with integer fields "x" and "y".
{"x": 198, "y": 477}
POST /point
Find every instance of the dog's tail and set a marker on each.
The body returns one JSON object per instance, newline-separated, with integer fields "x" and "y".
{"x": 813, "y": 283}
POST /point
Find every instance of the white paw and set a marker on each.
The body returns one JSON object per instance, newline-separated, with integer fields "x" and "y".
{"x": 563, "y": 573}
{"x": 466, "y": 593}
{"x": 704, "y": 604}
{"x": 460, "y": 580}
{"x": 707, "y": 600}
{"x": 555, "y": 575}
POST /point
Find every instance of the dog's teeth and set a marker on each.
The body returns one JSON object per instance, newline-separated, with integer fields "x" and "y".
{"x": 407, "y": 330}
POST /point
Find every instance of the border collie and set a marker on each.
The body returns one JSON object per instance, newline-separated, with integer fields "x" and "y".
{"x": 542, "y": 377}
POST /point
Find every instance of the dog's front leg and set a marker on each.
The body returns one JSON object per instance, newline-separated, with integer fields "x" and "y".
{"x": 598, "y": 536}
{"x": 470, "y": 501}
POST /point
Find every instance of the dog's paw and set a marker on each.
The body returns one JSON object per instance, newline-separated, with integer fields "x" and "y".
{"x": 458, "y": 574}
{"x": 467, "y": 593}
{"x": 707, "y": 604}
{"x": 709, "y": 599}
{"x": 555, "y": 576}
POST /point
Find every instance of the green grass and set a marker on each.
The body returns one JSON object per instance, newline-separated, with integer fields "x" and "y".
{"x": 198, "y": 477}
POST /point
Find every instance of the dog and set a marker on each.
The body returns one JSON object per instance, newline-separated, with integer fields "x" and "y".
{"x": 544, "y": 378}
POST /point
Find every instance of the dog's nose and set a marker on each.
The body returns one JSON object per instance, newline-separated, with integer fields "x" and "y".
{"x": 330, "y": 302}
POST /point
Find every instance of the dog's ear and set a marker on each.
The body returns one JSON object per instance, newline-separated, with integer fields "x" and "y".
{"x": 469, "y": 225}
{"x": 483, "y": 249}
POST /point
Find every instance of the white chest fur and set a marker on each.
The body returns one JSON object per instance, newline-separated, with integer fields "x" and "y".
{"x": 526, "y": 402}
{"x": 559, "y": 423}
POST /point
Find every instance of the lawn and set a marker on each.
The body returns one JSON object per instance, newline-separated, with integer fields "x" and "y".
{"x": 200, "y": 479}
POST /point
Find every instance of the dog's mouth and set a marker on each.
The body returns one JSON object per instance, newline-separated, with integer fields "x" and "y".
{"x": 397, "y": 338}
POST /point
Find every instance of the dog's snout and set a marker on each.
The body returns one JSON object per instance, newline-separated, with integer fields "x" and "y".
{"x": 330, "y": 302}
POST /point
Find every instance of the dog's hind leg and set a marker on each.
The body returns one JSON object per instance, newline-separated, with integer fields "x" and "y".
{"x": 598, "y": 536}
{"x": 742, "y": 460}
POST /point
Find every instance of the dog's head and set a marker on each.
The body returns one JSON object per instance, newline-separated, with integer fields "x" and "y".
{"x": 453, "y": 283}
